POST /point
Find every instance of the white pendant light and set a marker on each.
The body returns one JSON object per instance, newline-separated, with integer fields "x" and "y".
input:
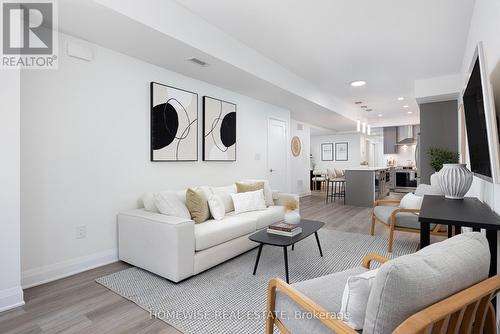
{"x": 364, "y": 127}
{"x": 368, "y": 130}
{"x": 358, "y": 125}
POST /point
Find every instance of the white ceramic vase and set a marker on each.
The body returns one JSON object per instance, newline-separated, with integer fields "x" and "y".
{"x": 292, "y": 217}
{"x": 455, "y": 180}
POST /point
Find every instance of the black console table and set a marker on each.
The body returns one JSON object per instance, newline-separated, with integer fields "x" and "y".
{"x": 469, "y": 212}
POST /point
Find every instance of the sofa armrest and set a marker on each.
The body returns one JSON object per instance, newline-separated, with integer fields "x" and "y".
{"x": 282, "y": 198}
{"x": 162, "y": 244}
{"x": 316, "y": 310}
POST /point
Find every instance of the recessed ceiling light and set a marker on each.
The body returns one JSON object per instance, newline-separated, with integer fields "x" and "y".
{"x": 364, "y": 107}
{"x": 379, "y": 115}
{"x": 369, "y": 109}
{"x": 405, "y": 106}
{"x": 358, "y": 83}
{"x": 358, "y": 102}
{"x": 410, "y": 112}
{"x": 401, "y": 98}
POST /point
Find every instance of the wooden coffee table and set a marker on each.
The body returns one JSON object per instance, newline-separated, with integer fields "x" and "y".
{"x": 263, "y": 238}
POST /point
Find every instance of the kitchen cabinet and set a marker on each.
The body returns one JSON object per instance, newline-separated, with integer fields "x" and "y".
{"x": 390, "y": 140}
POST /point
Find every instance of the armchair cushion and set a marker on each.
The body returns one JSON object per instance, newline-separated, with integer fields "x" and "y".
{"x": 403, "y": 219}
{"x": 410, "y": 283}
{"x": 327, "y": 291}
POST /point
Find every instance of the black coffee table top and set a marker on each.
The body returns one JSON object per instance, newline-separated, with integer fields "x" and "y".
{"x": 308, "y": 228}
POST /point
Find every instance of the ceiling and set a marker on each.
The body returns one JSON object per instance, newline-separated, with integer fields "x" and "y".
{"x": 387, "y": 43}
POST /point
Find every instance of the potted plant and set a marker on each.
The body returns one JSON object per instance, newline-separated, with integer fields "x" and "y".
{"x": 454, "y": 178}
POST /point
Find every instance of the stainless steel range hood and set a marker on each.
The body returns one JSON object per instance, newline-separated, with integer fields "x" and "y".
{"x": 406, "y": 136}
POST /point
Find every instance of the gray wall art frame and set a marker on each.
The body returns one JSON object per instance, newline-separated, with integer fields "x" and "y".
{"x": 219, "y": 130}
{"x": 174, "y": 124}
{"x": 327, "y": 152}
{"x": 342, "y": 151}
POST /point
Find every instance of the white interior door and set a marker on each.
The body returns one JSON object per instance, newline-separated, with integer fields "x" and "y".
{"x": 277, "y": 154}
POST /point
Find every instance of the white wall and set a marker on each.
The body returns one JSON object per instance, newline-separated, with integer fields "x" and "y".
{"x": 85, "y": 155}
{"x": 300, "y": 166}
{"x": 356, "y": 150}
{"x": 11, "y": 294}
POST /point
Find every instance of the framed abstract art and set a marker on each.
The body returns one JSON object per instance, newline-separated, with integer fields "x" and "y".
{"x": 219, "y": 130}
{"x": 174, "y": 124}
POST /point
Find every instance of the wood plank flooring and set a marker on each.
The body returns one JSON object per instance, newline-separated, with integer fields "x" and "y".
{"x": 77, "y": 304}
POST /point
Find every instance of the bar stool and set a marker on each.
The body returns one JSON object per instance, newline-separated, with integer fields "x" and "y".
{"x": 319, "y": 176}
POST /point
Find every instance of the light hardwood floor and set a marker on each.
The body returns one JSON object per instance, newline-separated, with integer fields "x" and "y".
{"x": 78, "y": 304}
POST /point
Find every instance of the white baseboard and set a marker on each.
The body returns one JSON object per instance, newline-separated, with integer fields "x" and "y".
{"x": 306, "y": 193}
{"x": 11, "y": 298}
{"x": 52, "y": 272}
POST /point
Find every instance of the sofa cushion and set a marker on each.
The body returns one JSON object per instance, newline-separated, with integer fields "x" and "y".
{"x": 264, "y": 218}
{"x": 225, "y": 194}
{"x": 326, "y": 291}
{"x": 410, "y": 283}
{"x": 215, "y": 232}
{"x": 243, "y": 187}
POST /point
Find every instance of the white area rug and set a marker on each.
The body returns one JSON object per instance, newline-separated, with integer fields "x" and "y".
{"x": 228, "y": 298}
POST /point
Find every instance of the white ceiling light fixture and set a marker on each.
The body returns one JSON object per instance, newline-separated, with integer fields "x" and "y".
{"x": 358, "y": 125}
{"x": 358, "y": 83}
{"x": 368, "y": 130}
{"x": 410, "y": 112}
{"x": 406, "y": 106}
{"x": 363, "y": 128}
{"x": 379, "y": 115}
{"x": 401, "y": 98}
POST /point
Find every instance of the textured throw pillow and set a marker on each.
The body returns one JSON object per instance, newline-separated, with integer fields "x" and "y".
{"x": 268, "y": 193}
{"x": 249, "y": 201}
{"x": 148, "y": 200}
{"x": 243, "y": 187}
{"x": 169, "y": 203}
{"x": 216, "y": 206}
{"x": 197, "y": 204}
{"x": 225, "y": 194}
{"x": 355, "y": 298}
{"x": 411, "y": 201}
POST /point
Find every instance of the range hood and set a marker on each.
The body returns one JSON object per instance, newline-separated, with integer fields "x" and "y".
{"x": 405, "y": 135}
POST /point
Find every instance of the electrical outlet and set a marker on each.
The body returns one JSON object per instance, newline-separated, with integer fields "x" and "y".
{"x": 81, "y": 231}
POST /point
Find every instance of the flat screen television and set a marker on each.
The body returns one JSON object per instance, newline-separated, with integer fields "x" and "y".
{"x": 480, "y": 120}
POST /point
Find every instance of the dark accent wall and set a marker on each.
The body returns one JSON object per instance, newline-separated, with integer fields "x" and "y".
{"x": 438, "y": 128}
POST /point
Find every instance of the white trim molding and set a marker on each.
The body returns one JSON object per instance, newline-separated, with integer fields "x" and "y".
{"x": 55, "y": 271}
{"x": 11, "y": 298}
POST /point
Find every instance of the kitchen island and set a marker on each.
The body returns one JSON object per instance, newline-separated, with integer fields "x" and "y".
{"x": 364, "y": 185}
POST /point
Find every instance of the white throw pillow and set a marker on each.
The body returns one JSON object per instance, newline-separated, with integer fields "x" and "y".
{"x": 249, "y": 201}
{"x": 216, "y": 206}
{"x": 225, "y": 194}
{"x": 411, "y": 201}
{"x": 148, "y": 199}
{"x": 355, "y": 298}
{"x": 170, "y": 203}
{"x": 268, "y": 193}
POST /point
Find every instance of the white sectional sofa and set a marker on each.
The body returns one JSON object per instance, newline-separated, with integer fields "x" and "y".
{"x": 177, "y": 248}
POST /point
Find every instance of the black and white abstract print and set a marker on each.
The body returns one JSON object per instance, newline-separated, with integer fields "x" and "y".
{"x": 174, "y": 124}
{"x": 219, "y": 130}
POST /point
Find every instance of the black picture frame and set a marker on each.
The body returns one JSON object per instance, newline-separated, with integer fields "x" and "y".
{"x": 323, "y": 158}
{"x": 337, "y": 145}
{"x": 151, "y": 118}
{"x": 204, "y": 128}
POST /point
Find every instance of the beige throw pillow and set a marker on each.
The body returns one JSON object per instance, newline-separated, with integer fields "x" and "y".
{"x": 246, "y": 187}
{"x": 197, "y": 204}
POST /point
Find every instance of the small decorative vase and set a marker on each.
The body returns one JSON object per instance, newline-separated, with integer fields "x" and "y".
{"x": 292, "y": 217}
{"x": 455, "y": 180}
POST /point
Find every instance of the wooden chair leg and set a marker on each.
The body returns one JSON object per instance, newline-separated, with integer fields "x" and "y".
{"x": 391, "y": 236}
{"x": 372, "y": 229}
